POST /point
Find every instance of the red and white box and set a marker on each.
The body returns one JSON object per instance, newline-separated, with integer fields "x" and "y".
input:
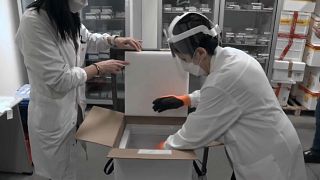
{"x": 299, "y": 5}
{"x": 307, "y": 97}
{"x": 313, "y": 28}
{"x": 288, "y": 71}
{"x": 282, "y": 92}
{"x": 311, "y": 78}
{"x": 294, "y": 52}
{"x": 311, "y": 55}
{"x": 302, "y": 22}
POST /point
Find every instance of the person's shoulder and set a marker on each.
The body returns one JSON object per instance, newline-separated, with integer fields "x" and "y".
{"x": 232, "y": 51}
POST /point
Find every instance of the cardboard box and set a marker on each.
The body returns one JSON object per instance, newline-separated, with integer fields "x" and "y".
{"x": 295, "y": 52}
{"x": 288, "y": 71}
{"x": 311, "y": 55}
{"x": 134, "y": 157}
{"x": 302, "y": 24}
{"x": 282, "y": 92}
{"x": 133, "y": 136}
{"x": 307, "y": 98}
{"x": 311, "y": 78}
{"x": 299, "y": 5}
{"x": 314, "y": 26}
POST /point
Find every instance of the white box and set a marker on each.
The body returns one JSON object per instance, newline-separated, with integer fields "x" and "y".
{"x": 288, "y": 71}
{"x": 282, "y": 92}
{"x": 295, "y": 52}
{"x": 311, "y": 78}
{"x": 156, "y": 72}
{"x": 314, "y": 26}
{"x": 133, "y": 141}
{"x": 302, "y": 24}
{"x": 145, "y": 138}
{"x": 294, "y": 90}
{"x": 296, "y": 5}
{"x": 307, "y": 98}
{"x": 311, "y": 55}
{"x": 317, "y": 8}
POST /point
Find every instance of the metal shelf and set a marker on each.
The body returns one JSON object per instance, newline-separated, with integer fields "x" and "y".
{"x": 249, "y": 10}
{"x": 254, "y": 45}
{"x": 99, "y": 101}
{"x": 113, "y": 19}
{"x": 180, "y": 12}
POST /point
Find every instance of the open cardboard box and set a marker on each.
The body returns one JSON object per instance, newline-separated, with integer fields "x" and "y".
{"x": 133, "y": 136}
{"x": 132, "y": 140}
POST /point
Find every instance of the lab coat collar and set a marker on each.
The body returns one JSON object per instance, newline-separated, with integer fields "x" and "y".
{"x": 213, "y": 63}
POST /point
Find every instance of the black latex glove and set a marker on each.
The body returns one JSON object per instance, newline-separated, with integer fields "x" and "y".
{"x": 165, "y": 103}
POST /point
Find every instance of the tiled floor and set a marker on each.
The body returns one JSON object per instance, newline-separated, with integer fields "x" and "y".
{"x": 218, "y": 166}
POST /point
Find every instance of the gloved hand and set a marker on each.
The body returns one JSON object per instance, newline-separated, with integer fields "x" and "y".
{"x": 170, "y": 102}
{"x": 160, "y": 145}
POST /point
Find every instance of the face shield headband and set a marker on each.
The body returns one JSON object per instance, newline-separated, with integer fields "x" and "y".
{"x": 215, "y": 31}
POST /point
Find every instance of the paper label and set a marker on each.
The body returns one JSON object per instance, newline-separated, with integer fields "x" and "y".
{"x": 153, "y": 151}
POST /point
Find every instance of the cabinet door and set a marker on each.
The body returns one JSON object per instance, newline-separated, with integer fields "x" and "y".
{"x": 249, "y": 25}
{"x": 172, "y": 8}
{"x": 103, "y": 16}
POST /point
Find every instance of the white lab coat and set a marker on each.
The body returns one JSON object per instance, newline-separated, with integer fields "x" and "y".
{"x": 57, "y": 89}
{"x": 238, "y": 107}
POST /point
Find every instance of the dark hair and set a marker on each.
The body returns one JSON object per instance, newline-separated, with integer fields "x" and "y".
{"x": 190, "y": 44}
{"x": 67, "y": 23}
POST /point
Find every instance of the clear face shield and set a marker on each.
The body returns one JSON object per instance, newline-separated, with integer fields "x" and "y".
{"x": 181, "y": 43}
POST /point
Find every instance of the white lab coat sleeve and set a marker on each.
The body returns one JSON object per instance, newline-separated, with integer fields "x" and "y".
{"x": 215, "y": 114}
{"x": 40, "y": 47}
{"x": 96, "y": 42}
{"x": 195, "y": 98}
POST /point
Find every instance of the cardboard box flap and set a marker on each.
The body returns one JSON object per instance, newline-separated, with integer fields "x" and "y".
{"x": 152, "y": 154}
{"x": 101, "y": 126}
{"x": 297, "y": 66}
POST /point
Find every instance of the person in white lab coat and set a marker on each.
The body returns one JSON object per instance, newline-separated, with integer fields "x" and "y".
{"x": 236, "y": 105}
{"x": 53, "y": 43}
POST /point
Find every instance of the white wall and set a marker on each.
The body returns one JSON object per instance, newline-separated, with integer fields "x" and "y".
{"x": 12, "y": 71}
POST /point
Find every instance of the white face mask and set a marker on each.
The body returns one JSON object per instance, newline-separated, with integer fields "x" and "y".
{"x": 193, "y": 69}
{"x": 77, "y": 5}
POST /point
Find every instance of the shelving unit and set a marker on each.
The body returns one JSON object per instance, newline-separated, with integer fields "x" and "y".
{"x": 249, "y": 10}
{"x": 249, "y": 21}
{"x": 236, "y": 44}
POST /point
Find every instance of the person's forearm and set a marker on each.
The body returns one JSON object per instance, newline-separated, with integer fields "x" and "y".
{"x": 91, "y": 71}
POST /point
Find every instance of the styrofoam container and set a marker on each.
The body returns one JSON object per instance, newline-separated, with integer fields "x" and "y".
{"x": 282, "y": 92}
{"x": 314, "y": 26}
{"x": 307, "y": 98}
{"x": 311, "y": 55}
{"x": 302, "y": 24}
{"x": 295, "y": 52}
{"x": 302, "y": 5}
{"x": 311, "y": 78}
{"x": 288, "y": 71}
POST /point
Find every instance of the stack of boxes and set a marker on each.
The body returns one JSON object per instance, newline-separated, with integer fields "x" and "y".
{"x": 308, "y": 91}
{"x": 288, "y": 67}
